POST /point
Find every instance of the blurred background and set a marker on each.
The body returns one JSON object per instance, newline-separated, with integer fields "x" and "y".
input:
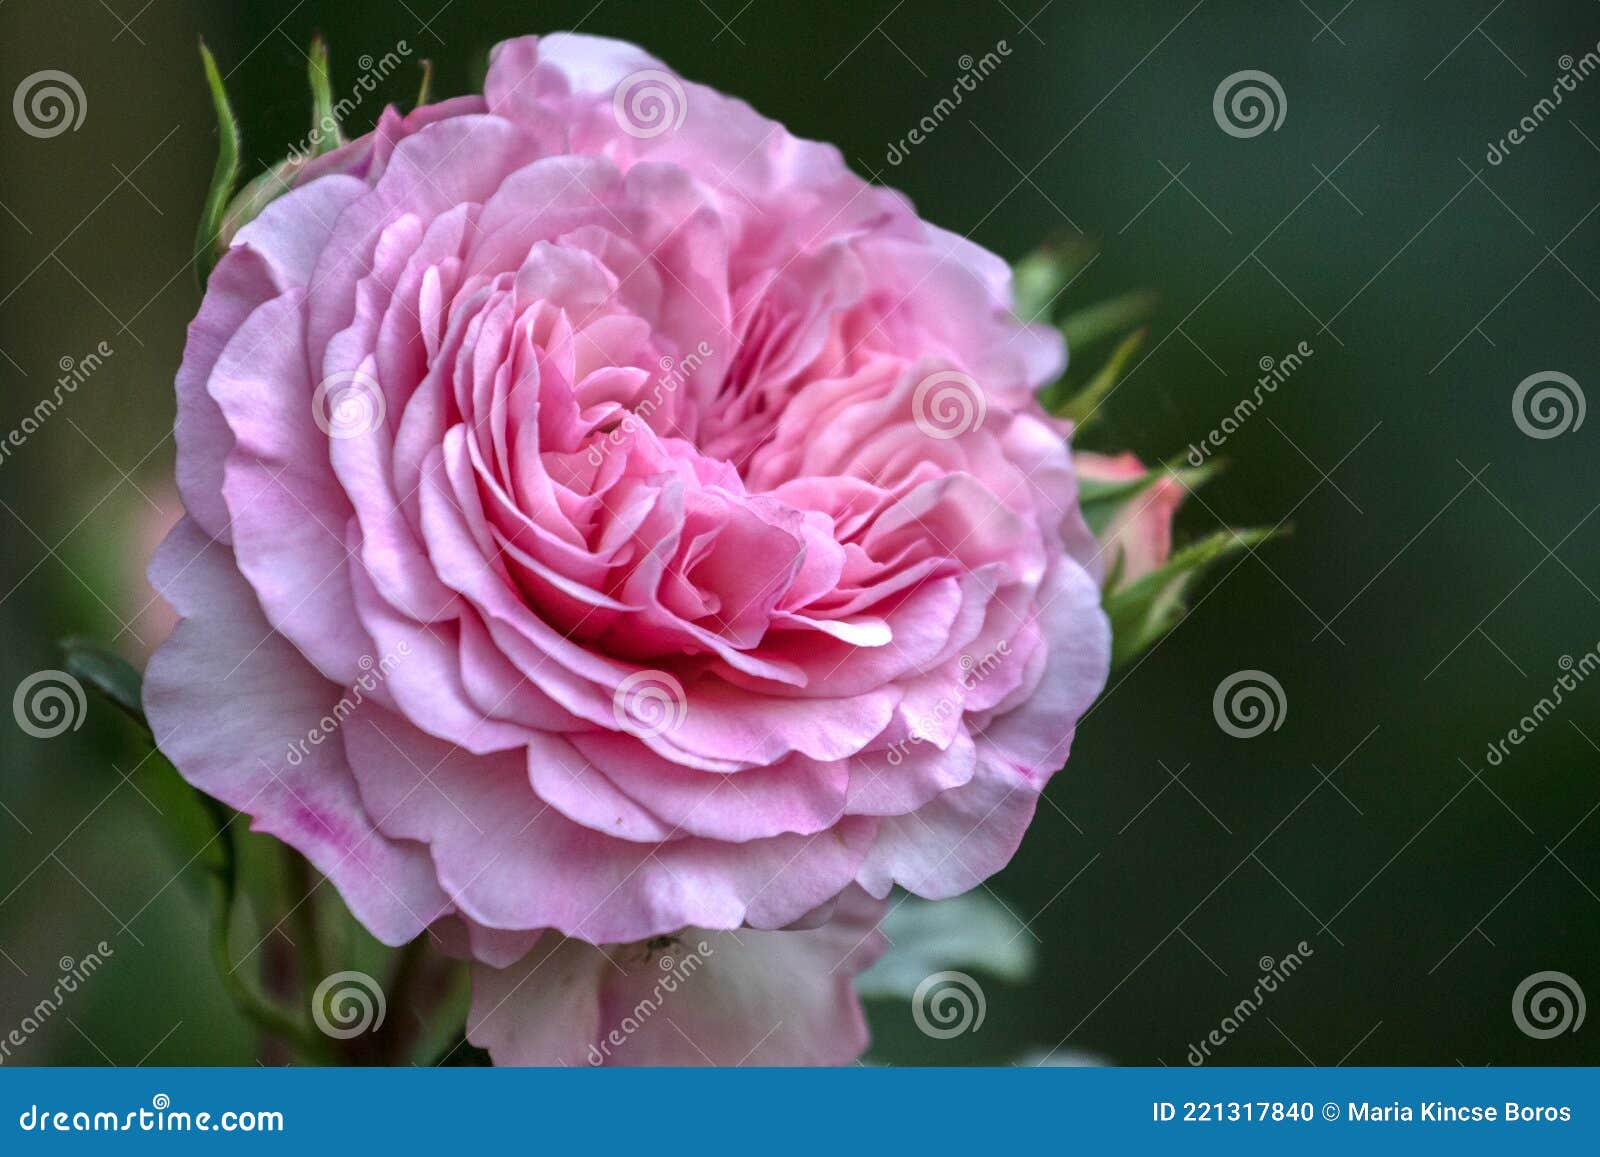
{"x": 1441, "y": 573}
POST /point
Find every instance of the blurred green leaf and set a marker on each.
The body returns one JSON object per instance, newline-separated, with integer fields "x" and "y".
{"x": 202, "y": 830}
{"x": 972, "y": 931}
{"x": 110, "y": 674}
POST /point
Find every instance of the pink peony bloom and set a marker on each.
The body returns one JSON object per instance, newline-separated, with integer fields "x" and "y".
{"x": 1138, "y": 538}
{"x": 608, "y": 515}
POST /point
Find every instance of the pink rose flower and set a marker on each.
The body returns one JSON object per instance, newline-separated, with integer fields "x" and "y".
{"x": 609, "y": 516}
{"x": 1138, "y": 539}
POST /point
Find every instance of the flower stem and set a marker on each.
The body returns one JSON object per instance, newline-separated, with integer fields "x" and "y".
{"x": 224, "y": 892}
{"x": 302, "y": 917}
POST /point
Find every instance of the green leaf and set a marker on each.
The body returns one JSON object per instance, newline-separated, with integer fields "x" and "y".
{"x": 1152, "y": 605}
{"x": 110, "y": 674}
{"x": 224, "y": 177}
{"x": 1107, "y": 319}
{"x": 1082, "y": 406}
{"x": 202, "y": 830}
{"x": 974, "y": 931}
{"x": 326, "y": 134}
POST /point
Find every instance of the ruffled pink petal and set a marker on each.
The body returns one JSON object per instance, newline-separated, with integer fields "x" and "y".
{"x": 508, "y": 860}
{"x": 245, "y": 719}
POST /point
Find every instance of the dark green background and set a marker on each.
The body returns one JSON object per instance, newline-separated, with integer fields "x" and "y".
{"x": 1402, "y": 552}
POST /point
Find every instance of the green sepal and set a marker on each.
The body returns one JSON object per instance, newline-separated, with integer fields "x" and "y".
{"x": 326, "y": 135}
{"x": 258, "y": 192}
{"x": 1100, "y": 501}
{"x": 224, "y": 176}
{"x": 1147, "y": 608}
{"x": 425, "y": 89}
{"x": 1081, "y": 405}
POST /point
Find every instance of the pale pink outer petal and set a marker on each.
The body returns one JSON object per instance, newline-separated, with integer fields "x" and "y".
{"x": 543, "y": 1010}
{"x": 707, "y": 998}
{"x": 508, "y": 860}
{"x": 241, "y": 281}
{"x": 964, "y": 835}
{"x": 229, "y": 699}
